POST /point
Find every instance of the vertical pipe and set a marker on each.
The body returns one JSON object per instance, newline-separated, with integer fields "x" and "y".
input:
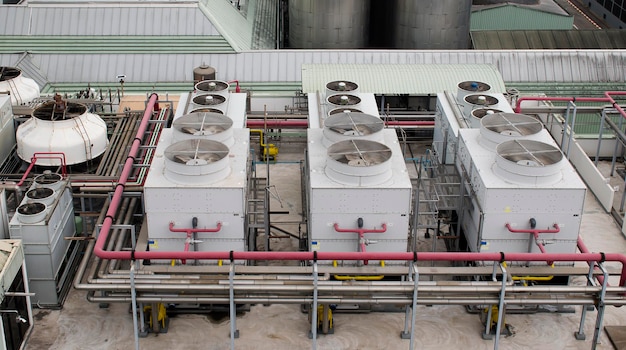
{"x": 600, "y": 307}
{"x": 580, "y": 335}
{"x": 566, "y": 126}
{"x": 571, "y": 129}
{"x": 621, "y": 122}
{"x": 133, "y": 295}
{"x": 600, "y": 132}
{"x": 233, "y": 315}
{"x": 414, "y": 305}
{"x": 500, "y": 307}
{"x": 314, "y": 307}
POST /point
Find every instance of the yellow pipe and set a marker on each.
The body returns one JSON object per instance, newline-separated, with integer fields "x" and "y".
{"x": 358, "y": 278}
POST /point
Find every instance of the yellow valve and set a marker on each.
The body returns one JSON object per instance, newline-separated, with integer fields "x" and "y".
{"x": 334, "y": 263}
{"x": 382, "y": 263}
{"x": 219, "y": 262}
{"x": 268, "y": 151}
{"x": 173, "y": 263}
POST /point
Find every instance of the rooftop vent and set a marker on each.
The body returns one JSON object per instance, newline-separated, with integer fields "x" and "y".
{"x": 471, "y": 87}
{"x": 343, "y": 126}
{"x": 341, "y": 86}
{"x": 501, "y": 127}
{"x": 359, "y": 162}
{"x": 528, "y": 161}
{"x": 210, "y": 126}
{"x": 43, "y": 195}
{"x": 213, "y": 86}
{"x": 196, "y": 161}
{"x": 343, "y": 100}
{"x": 344, "y": 110}
{"x": 30, "y": 213}
{"x": 477, "y": 101}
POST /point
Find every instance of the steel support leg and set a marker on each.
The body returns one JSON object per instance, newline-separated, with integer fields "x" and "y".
{"x": 407, "y": 332}
{"x": 500, "y": 307}
{"x": 133, "y": 294}
{"x": 314, "y": 309}
{"x": 580, "y": 335}
{"x": 600, "y": 307}
{"x": 234, "y": 332}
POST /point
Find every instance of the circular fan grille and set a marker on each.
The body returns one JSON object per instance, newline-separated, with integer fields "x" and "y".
{"x": 344, "y": 110}
{"x": 40, "y": 193}
{"x": 196, "y": 152}
{"x": 359, "y": 153}
{"x": 480, "y": 113}
{"x": 48, "y": 178}
{"x": 202, "y": 124}
{"x": 511, "y": 124}
{"x": 344, "y": 100}
{"x": 212, "y": 86}
{"x": 481, "y": 100}
{"x": 341, "y": 85}
{"x": 31, "y": 208}
{"x": 474, "y": 86}
{"x": 8, "y": 73}
{"x": 353, "y": 124}
{"x": 529, "y": 153}
{"x": 46, "y": 111}
{"x": 209, "y": 99}
{"x": 208, "y": 110}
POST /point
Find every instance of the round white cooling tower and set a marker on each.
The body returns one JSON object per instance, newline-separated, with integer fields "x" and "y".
{"x": 23, "y": 90}
{"x": 67, "y": 129}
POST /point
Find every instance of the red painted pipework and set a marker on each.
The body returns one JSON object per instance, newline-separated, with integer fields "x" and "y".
{"x": 190, "y": 232}
{"x": 583, "y": 249}
{"x": 308, "y": 256}
{"x": 237, "y": 89}
{"x": 360, "y": 232}
{"x": 607, "y": 98}
{"x": 44, "y": 155}
{"x": 151, "y": 106}
{"x": 535, "y": 233}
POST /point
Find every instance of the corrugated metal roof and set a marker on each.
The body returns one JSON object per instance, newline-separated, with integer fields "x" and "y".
{"x": 517, "y": 17}
{"x": 419, "y": 79}
{"x": 115, "y": 44}
{"x": 105, "y": 19}
{"x": 285, "y": 65}
{"x": 549, "y": 39}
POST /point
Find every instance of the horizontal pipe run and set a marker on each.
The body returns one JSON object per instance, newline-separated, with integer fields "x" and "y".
{"x": 303, "y": 123}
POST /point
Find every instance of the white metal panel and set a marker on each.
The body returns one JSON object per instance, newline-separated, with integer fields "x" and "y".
{"x": 514, "y": 65}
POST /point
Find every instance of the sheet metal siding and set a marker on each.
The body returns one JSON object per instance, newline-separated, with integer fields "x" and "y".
{"x": 115, "y": 44}
{"x": 96, "y": 20}
{"x": 401, "y": 78}
{"x": 285, "y": 65}
{"x": 549, "y": 39}
{"x": 518, "y": 18}
{"x": 231, "y": 24}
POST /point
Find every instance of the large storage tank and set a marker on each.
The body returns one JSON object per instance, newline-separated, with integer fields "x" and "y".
{"x": 328, "y": 24}
{"x": 438, "y": 24}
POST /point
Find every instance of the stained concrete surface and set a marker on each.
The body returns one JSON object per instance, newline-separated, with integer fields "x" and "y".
{"x": 83, "y": 325}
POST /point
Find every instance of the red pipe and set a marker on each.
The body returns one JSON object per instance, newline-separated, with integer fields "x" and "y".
{"x": 607, "y": 98}
{"x": 535, "y": 233}
{"x": 45, "y": 155}
{"x": 190, "y": 232}
{"x": 583, "y": 249}
{"x": 151, "y": 106}
{"x": 360, "y": 231}
{"x": 237, "y": 89}
{"x": 307, "y": 256}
